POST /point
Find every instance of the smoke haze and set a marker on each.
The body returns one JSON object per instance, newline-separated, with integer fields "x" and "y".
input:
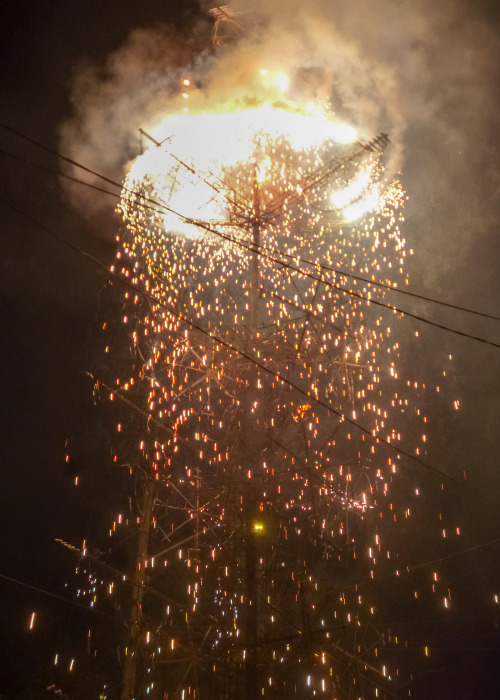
{"x": 425, "y": 72}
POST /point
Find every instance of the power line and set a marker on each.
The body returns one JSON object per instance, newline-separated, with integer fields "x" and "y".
{"x": 264, "y": 290}
{"x": 408, "y": 569}
{"x": 241, "y": 353}
{"x": 52, "y": 595}
{"x": 336, "y": 269}
{"x": 339, "y": 287}
{"x": 264, "y": 252}
{"x": 277, "y": 251}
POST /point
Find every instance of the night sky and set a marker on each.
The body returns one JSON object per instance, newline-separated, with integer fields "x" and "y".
{"x": 53, "y": 299}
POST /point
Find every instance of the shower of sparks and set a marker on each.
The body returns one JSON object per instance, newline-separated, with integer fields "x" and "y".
{"x": 267, "y": 507}
{"x": 197, "y": 155}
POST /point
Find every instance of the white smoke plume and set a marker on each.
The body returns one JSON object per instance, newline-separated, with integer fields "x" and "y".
{"x": 425, "y": 72}
{"x": 137, "y": 84}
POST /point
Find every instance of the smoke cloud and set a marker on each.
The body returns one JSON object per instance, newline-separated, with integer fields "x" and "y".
{"x": 424, "y": 72}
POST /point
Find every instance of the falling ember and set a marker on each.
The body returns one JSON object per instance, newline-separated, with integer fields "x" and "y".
{"x": 32, "y": 621}
{"x": 265, "y": 394}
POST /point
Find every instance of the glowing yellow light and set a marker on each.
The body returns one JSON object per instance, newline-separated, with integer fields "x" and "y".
{"x": 282, "y": 83}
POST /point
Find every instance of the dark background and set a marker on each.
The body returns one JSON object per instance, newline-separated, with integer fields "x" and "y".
{"x": 52, "y": 300}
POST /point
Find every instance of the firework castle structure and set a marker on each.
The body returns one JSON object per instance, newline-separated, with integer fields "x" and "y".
{"x": 246, "y": 378}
